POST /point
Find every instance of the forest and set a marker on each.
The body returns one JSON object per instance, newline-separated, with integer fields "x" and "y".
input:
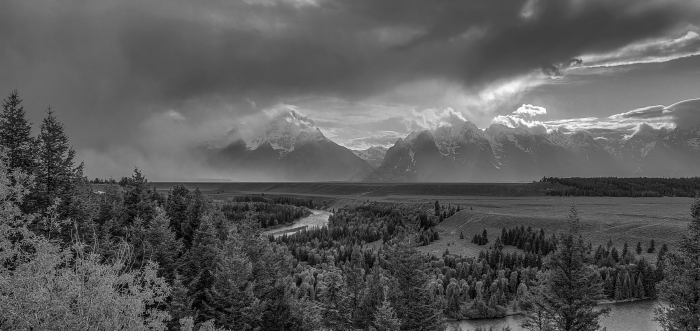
{"x": 625, "y": 187}
{"x": 129, "y": 257}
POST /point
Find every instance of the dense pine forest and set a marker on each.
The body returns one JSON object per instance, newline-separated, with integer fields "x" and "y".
{"x": 128, "y": 257}
{"x": 626, "y": 187}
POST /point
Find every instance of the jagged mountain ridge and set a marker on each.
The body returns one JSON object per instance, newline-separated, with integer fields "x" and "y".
{"x": 292, "y": 148}
{"x": 501, "y": 153}
{"x": 289, "y": 148}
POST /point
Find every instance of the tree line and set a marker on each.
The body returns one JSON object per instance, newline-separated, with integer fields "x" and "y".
{"x": 625, "y": 187}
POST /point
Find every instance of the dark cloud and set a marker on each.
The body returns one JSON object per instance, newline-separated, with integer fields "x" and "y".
{"x": 556, "y": 70}
{"x": 110, "y": 67}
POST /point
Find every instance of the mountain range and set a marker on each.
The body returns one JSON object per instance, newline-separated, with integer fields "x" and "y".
{"x": 292, "y": 148}
{"x": 289, "y": 148}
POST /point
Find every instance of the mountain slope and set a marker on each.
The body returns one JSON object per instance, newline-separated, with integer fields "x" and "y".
{"x": 373, "y": 155}
{"x": 292, "y": 148}
{"x": 289, "y": 148}
{"x": 323, "y": 160}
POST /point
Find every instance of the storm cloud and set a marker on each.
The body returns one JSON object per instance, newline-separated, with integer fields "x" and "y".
{"x": 124, "y": 75}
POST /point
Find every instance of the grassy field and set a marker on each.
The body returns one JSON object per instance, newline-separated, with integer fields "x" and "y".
{"x": 368, "y": 190}
{"x": 620, "y": 219}
{"x": 493, "y": 206}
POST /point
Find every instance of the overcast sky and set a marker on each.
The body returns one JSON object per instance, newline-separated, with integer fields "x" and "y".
{"x": 136, "y": 81}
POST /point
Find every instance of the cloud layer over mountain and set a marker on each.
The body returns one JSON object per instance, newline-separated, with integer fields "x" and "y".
{"x": 133, "y": 79}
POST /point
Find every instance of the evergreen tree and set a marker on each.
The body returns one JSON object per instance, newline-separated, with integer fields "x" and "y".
{"x": 333, "y": 295}
{"x": 176, "y": 208}
{"x": 568, "y": 290}
{"x": 680, "y": 288}
{"x": 639, "y": 248}
{"x": 385, "y": 317}
{"x": 355, "y": 284}
{"x": 56, "y": 172}
{"x": 413, "y": 303}
{"x": 139, "y": 200}
{"x": 15, "y": 135}
{"x": 652, "y": 247}
{"x": 639, "y": 288}
{"x": 164, "y": 248}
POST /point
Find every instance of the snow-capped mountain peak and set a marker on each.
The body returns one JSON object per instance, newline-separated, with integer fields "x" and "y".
{"x": 285, "y": 132}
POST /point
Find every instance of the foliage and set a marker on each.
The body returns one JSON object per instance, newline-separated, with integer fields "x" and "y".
{"x": 56, "y": 172}
{"x": 46, "y": 286}
{"x": 681, "y": 287}
{"x": 15, "y": 135}
{"x": 626, "y": 187}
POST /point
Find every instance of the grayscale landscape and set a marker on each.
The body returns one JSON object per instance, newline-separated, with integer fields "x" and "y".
{"x": 323, "y": 165}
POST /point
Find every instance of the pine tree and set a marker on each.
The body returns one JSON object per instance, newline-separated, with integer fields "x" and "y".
{"x": 652, "y": 247}
{"x": 680, "y": 288}
{"x": 15, "y": 135}
{"x": 176, "y": 208}
{"x": 639, "y": 288}
{"x": 355, "y": 284}
{"x": 568, "y": 290}
{"x": 56, "y": 173}
{"x": 385, "y": 317}
{"x": 639, "y": 248}
{"x": 413, "y": 303}
{"x": 139, "y": 200}
{"x": 164, "y": 247}
{"x": 332, "y": 293}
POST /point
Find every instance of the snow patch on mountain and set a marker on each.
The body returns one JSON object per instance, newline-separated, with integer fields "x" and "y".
{"x": 648, "y": 148}
{"x": 285, "y": 132}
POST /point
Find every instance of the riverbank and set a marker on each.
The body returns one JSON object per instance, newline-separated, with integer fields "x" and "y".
{"x": 635, "y": 315}
{"x": 318, "y": 218}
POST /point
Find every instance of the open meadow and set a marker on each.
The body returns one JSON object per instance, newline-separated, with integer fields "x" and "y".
{"x": 493, "y": 207}
{"x": 628, "y": 220}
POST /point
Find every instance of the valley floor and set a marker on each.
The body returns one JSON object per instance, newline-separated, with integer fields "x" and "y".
{"x": 628, "y": 220}
{"x": 492, "y": 207}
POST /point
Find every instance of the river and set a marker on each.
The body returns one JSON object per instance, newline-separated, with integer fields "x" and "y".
{"x": 318, "y": 218}
{"x": 636, "y": 315}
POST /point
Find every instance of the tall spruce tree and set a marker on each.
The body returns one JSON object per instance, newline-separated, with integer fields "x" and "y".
{"x": 412, "y": 300}
{"x": 567, "y": 291}
{"x": 385, "y": 318}
{"x": 680, "y": 288}
{"x": 16, "y": 135}
{"x": 56, "y": 173}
